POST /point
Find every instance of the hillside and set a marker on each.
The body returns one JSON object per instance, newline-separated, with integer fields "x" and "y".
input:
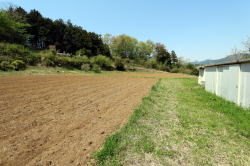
{"x": 229, "y": 58}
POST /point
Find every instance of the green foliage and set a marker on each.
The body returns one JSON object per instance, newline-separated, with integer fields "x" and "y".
{"x": 11, "y": 52}
{"x": 83, "y": 52}
{"x": 11, "y": 30}
{"x": 152, "y": 63}
{"x": 62, "y": 61}
{"x": 124, "y": 46}
{"x": 119, "y": 65}
{"x": 76, "y": 62}
{"x": 110, "y": 149}
{"x": 49, "y": 60}
{"x": 19, "y": 65}
{"x": 85, "y": 67}
{"x": 194, "y": 70}
{"x": 6, "y": 66}
{"x": 164, "y": 67}
{"x": 102, "y": 61}
{"x": 162, "y": 55}
{"x": 175, "y": 70}
{"x": 96, "y": 68}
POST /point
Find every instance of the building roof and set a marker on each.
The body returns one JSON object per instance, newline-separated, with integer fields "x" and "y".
{"x": 230, "y": 62}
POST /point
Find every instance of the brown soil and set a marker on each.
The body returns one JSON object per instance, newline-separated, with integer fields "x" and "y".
{"x": 62, "y": 119}
{"x": 155, "y": 75}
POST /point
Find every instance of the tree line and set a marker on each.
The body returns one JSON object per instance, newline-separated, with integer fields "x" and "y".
{"x": 148, "y": 53}
{"x": 32, "y": 30}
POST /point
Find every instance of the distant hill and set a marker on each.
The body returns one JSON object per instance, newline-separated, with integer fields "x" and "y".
{"x": 230, "y": 58}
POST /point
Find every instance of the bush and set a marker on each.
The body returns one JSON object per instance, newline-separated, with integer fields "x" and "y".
{"x": 119, "y": 65}
{"x": 164, "y": 67}
{"x": 19, "y": 65}
{"x": 63, "y": 61}
{"x": 49, "y": 60}
{"x": 77, "y": 62}
{"x": 175, "y": 70}
{"x": 14, "y": 51}
{"x": 83, "y": 52}
{"x": 96, "y": 68}
{"x": 11, "y": 52}
{"x": 6, "y": 66}
{"x": 102, "y": 61}
{"x": 152, "y": 64}
{"x": 195, "y": 71}
{"x": 32, "y": 59}
{"x": 85, "y": 67}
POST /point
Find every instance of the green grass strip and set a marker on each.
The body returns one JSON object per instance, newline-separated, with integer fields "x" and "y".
{"x": 179, "y": 123}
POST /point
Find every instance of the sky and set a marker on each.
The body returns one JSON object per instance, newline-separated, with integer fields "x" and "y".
{"x": 194, "y": 29}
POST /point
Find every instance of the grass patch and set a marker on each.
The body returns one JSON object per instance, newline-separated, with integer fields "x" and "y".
{"x": 180, "y": 123}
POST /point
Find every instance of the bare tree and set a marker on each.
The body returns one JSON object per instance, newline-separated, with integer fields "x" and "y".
{"x": 247, "y": 44}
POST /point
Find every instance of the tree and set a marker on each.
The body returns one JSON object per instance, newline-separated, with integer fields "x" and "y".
{"x": 174, "y": 58}
{"x": 247, "y": 44}
{"x": 145, "y": 50}
{"x": 124, "y": 46}
{"x": 162, "y": 55}
{"x": 11, "y": 30}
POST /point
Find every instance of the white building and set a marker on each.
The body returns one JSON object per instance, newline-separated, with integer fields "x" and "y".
{"x": 228, "y": 80}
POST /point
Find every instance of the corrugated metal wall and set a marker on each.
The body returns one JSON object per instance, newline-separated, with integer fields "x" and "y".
{"x": 231, "y": 82}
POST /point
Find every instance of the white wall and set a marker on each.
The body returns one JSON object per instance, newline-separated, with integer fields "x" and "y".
{"x": 231, "y": 82}
{"x": 201, "y": 78}
{"x": 244, "y": 93}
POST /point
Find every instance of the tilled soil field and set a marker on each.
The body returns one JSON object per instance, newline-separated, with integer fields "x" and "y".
{"x": 61, "y": 119}
{"x": 154, "y": 75}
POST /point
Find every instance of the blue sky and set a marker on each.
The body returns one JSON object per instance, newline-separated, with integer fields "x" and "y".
{"x": 195, "y": 29}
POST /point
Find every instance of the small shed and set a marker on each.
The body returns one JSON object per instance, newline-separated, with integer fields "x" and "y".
{"x": 229, "y": 80}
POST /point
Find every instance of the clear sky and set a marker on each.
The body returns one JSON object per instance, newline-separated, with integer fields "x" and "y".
{"x": 195, "y": 29}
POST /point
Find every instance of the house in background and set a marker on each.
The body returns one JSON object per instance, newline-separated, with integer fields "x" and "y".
{"x": 230, "y": 80}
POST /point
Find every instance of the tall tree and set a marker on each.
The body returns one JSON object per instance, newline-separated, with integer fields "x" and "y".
{"x": 11, "y": 30}
{"x": 162, "y": 55}
{"x": 124, "y": 46}
{"x": 174, "y": 58}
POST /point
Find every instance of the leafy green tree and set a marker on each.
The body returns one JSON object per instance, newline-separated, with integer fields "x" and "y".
{"x": 10, "y": 30}
{"x": 124, "y": 46}
{"x": 162, "y": 55}
{"x": 145, "y": 50}
{"x": 174, "y": 58}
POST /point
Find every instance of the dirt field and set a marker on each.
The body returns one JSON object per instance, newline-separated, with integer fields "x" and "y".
{"x": 154, "y": 75}
{"x": 62, "y": 119}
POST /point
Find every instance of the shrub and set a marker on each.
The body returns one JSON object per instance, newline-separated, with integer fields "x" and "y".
{"x": 85, "y": 67}
{"x": 164, "y": 67}
{"x": 6, "y": 66}
{"x": 19, "y": 65}
{"x": 11, "y": 52}
{"x": 119, "y": 65}
{"x": 102, "y": 61}
{"x": 83, "y": 52}
{"x": 195, "y": 71}
{"x": 96, "y": 68}
{"x": 4, "y": 58}
{"x": 32, "y": 59}
{"x": 14, "y": 51}
{"x": 49, "y": 60}
{"x": 62, "y": 61}
{"x": 77, "y": 62}
{"x": 175, "y": 70}
{"x": 152, "y": 64}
